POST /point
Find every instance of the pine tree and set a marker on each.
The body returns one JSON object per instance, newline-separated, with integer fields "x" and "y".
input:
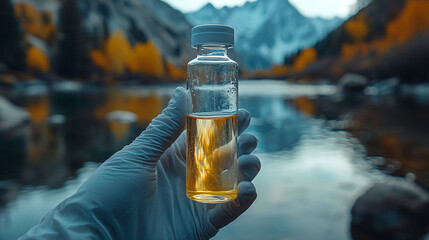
{"x": 11, "y": 38}
{"x": 72, "y": 58}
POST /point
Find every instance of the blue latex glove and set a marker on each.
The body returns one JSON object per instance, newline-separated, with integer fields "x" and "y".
{"x": 139, "y": 192}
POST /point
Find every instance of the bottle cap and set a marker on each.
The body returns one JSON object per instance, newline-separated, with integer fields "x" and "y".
{"x": 212, "y": 34}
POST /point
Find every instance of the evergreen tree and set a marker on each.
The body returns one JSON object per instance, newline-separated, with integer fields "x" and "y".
{"x": 72, "y": 58}
{"x": 11, "y": 38}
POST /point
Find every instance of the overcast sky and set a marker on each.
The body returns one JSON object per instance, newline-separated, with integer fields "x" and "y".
{"x": 311, "y": 8}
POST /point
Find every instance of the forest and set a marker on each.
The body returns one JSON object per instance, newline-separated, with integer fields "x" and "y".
{"x": 34, "y": 46}
{"x": 385, "y": 39}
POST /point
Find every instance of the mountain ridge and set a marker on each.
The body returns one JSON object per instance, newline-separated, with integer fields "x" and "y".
{"x": 258, "y": 45}
{"x": 138, "y": 20}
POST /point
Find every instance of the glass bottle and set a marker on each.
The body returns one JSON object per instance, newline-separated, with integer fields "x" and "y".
{"x": 211, "y": 157}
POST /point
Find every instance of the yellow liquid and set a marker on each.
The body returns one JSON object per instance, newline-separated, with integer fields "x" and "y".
{"x": 211, "y": 158}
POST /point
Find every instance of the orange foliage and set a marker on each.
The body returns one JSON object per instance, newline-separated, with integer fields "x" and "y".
{"x": 37, "y": 23}
{"x": 305, "y": 58}
{"x": 175, "y": 72}
{"x": 263, "y": 73}
{"x": 278, "y": 70}
{"x": 118, "y": 50}
{"x": 413, "y": 20}
{"x": 275, "y": 70}
{"x": 356, "y": 28}
{"x": 100, "y": 60}
{"x": 350, "y": 51}
{"x": 381, "y": 45}
{"x": 38, "y": 109}
{"x": 305, "y": 105}
{"x": 146, "y": 59}
{"x": 36, "y": 60}
{"x": 119, "y": 56}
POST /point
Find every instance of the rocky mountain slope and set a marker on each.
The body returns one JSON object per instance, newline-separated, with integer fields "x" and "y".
{"x": 139, "y": 20}
{"x": 266, "y": 30}
{"x": 386, "y": 39}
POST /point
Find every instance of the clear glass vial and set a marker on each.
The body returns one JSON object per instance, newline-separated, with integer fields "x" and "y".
{"x": 211, "y": 157}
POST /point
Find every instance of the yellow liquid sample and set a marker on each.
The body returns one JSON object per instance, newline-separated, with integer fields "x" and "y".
{"x": 211, "y": 158}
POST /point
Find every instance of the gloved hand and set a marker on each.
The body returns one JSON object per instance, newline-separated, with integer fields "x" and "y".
{"x": 139, "y": 192}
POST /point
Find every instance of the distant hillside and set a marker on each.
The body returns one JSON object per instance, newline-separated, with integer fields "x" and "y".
{"x": 369, "y": 24}
{"x": 387, "y": 38}
{"x": 107, "y": 37}
{"x": 266, "y": 30}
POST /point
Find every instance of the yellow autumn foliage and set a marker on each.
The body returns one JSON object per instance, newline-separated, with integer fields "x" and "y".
{"x": 381, "y": 45}
{"x": 36, "y": 60}
{"x": 100, "y": 60}
{"x": 35, "y": 22}
{"x": 118, "y": 50}
{"x": 410, "y": 22}
{"x": 278, "y": 70}
{"x": 145, "y": 59}
{"x": 175, "y": 72}
{"x": 305, "y": 58}
{"x": 356, "y": 28}
{"x": 352, "y": 50}
{"x": 413, "y": 20}
{"x": 118, "y": 56}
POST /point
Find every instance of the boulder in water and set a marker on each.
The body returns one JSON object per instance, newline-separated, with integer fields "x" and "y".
{"x": 121, "y": 116}
{"x": 11, "y": 116}
{"x": 352, "y": 83}
{"x": 392, "y": 210}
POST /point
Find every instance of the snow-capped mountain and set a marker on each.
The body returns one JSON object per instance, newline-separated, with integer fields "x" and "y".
{"x": 266, "y": 30}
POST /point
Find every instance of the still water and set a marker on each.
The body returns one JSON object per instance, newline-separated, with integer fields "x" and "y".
{"x": 318, "y": 153}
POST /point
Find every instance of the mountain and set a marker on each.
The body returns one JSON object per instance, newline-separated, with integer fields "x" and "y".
{"x": 388, "y": 38}
{"x": 266, "y": 30}
{"x": 138, "y": 20}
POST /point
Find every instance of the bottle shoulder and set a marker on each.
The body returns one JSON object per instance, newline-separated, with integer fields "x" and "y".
{"x": 212, "y": 60}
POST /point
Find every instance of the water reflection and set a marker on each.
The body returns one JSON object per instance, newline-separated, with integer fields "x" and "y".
{"x": 146, "y": 104}
{"x": 38, "y": 107}
{"x": 33, "y": 203}
{"x": 318, "y": 154}
{"x": 71, "y": 125}
{"x": 310, "y": 174}
{"x": 393, "y": 130}
{"x": 277, "y": 125}
{"x": 46, "y": 157}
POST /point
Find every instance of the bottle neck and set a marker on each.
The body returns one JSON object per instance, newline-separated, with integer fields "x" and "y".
{"x": 212, "y": 51}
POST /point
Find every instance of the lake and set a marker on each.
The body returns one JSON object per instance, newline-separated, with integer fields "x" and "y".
{"x": 319, "y": 152}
